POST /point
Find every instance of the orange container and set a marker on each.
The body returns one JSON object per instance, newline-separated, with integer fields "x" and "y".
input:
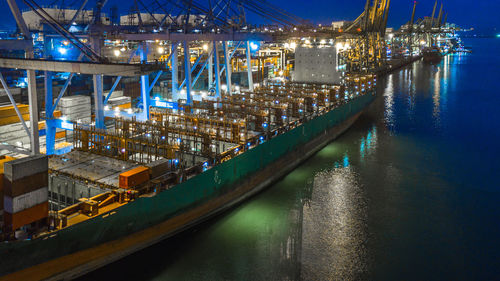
{"x": 13, "y": 119}
{"x": 125, "y": 105}
{"x": 60, "y": 135}
{"x": 37, "y": 212}
{"x": 3, "y": 159}
{"x": 6, "y": 111}
{"x": 134, "y": 177}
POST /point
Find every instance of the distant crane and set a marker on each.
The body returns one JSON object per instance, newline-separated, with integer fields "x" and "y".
{"x": 369, "y": 50}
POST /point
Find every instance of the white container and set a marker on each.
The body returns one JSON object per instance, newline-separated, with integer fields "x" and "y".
{"x": 115, "y": 94}
{"x": 73, "y": 109}
{"x": 74, "y": 101}
{"x": 77, "y": 116}
{"x": 85, "y": 120}
{"x": 119, "y": 100}
{"x": 25, "y": 201}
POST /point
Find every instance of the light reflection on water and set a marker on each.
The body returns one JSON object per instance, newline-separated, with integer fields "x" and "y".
{"x": 389, "y": 102}
{"x": 334, "y": 228}
{"x": 368, "y": 143}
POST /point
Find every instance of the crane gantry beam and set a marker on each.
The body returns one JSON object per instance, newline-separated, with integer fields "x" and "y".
{"x": 108, "y": 69}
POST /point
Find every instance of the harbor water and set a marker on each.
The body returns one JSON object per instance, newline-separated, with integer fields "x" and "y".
{"x": 410, "y": 192}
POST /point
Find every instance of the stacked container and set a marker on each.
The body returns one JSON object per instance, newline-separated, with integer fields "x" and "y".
{"x": 3, "y": 159}
{"x": 25, "y": 184}
{"x": 120, "y": 102}
{"x": 8, "y": 114}
{"x": 76, "y": 108}
{"x": 12, "y": 131}
{"x": 15, "y": 92}
{"x": 115, "y": 94}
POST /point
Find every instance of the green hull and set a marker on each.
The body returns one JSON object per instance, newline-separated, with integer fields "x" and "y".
{"x": 250, "y": 172}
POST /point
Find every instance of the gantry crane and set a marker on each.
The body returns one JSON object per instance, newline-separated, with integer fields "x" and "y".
{"x": 367, "y": 32}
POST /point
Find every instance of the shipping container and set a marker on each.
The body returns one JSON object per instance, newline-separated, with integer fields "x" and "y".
{"x": 74, "y": 100}
{"x": 13, "y": 119}
{"x": 159, "y": 167}
{"x": 115, "y": 94}
{"x": 16, "y": 95}
{"x": 27, "y": 216}
{"x": 25, "y": 201}
{"x": 134, "y": 177}
{"x": 124, "y": 106}
{"x": 20, "y": 168}
{"x": 3, "y": 159}
{"x": 7, "y": 111}
{"x": 24, "y": 185}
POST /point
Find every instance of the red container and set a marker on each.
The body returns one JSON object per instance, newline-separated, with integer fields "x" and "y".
{"x": 134, "y": 177}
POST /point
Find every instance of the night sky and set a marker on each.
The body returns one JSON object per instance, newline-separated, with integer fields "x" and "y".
{"x": 480, "y": 14}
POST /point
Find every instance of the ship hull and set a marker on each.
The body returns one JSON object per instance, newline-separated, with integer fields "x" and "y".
{"x": 432, "y": 58}
{"x": 89, "y": 245}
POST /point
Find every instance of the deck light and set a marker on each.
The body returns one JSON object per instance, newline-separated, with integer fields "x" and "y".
{"x": 254, "y": 46}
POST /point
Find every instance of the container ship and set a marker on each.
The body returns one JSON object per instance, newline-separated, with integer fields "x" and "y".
{"x": 124, "y": 184}
{"x": 136, "y": 183}
{"x": 432, "y": 54}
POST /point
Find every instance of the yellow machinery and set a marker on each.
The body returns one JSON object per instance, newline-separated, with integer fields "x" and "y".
{"x": 367, "y": 44}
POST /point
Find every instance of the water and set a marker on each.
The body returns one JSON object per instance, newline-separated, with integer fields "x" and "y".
{"x": 410, "y": 192}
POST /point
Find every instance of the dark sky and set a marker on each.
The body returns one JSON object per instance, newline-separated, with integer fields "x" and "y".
{"x": 480, "y": 14}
